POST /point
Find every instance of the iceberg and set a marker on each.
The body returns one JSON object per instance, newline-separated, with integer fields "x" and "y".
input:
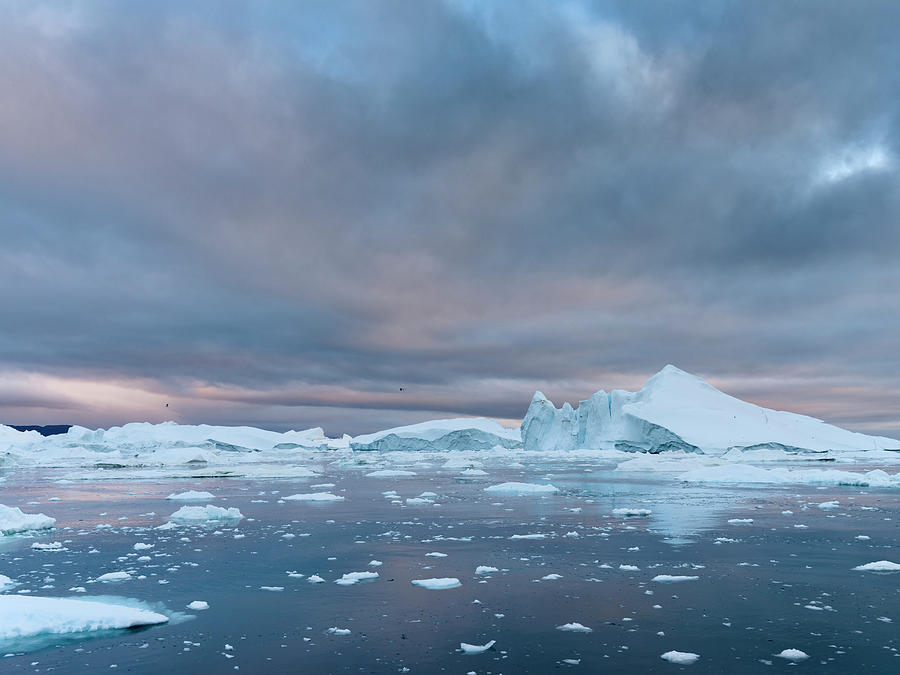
{"x": 22, "y": 616}
{"x": 452, "y": 434}
{"x": 13, "y": 520}
{"x": 677, "y": 411}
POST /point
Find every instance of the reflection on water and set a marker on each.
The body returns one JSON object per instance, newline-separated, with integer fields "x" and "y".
{"x": 606, "y": 566}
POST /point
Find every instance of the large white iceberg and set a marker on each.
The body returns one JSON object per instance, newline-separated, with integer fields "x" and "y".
{"x": 22, "y": 616}
{"x": 13, "y": 520}
{"x": 678, "y": 411}
{"x": 466, "y": 433}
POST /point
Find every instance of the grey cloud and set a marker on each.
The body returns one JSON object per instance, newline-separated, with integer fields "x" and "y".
{"x": 271, "y": 198}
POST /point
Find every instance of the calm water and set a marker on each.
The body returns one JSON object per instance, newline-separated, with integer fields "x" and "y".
{"x": 775, "y": 586}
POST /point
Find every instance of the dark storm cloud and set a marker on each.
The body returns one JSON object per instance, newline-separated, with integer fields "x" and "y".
{"x": 295, "y": 210}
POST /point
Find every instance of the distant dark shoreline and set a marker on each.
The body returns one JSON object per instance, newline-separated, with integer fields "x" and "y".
{"x": 45, "y": 430}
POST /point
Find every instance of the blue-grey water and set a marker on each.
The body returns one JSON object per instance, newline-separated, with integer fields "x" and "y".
{"x": 763, "y": 586}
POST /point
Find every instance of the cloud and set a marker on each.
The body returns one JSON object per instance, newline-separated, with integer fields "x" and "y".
{"x": 298, "y": 209}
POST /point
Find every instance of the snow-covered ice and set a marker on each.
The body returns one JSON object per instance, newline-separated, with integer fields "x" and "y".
{"x": 22, "y": 616}
{"x": 13, "y": 520}
{"x": 574, "y": 627}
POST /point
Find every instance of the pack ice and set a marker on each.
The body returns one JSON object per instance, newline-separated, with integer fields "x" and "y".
{"x": 675, "y": 410}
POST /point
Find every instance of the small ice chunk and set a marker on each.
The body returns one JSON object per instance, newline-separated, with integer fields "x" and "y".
{"x": 315, "y": 579}
{"x": 671, "y": 578}
{"x": 191, "y": 495}
{"x": 681, "y": 658}
{"x": 390, "y": 473}
{"x": 355, "y": 577}
{"x": 435, "y": 554}
{"x": 485, "y": 569}
{"x": 198, "y": 605}
{"x": 339, "y": 631}
{"x": 631, "y": 511}
{"x": 575, "y": 627}
{"x": 551, "y": 577}
{"x": 879, "y": 566}
{"x": 437, "y": 584}
{"x": 205, "y": 513}
{"x": 51, "y": 546}
{"x": 314, "y": 497}
{"x": 113, "y": 576}
{"x": 476, "y": 649}
{"x": 515, "y": 488}
{"x": 793, "y": 655}
{"x": 375, "y": 563}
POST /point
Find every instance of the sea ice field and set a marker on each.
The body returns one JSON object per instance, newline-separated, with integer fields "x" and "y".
{"x": 675, "y": 527}
{"x": 459, "y": 562}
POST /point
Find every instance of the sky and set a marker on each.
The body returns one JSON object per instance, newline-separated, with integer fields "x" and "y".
{"x": 280, "y": 214}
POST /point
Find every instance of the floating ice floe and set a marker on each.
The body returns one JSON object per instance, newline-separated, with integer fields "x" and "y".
{"x": 879, "y": 566}
{"x": 575, "y": 627}
{"x": 52, "y": 546}
{"x": 390, "y": 473}
{"x": 352, "y": 578}
{"x": 22, "y": 616}
{"x": 198, "y": 605}
{"x": 681, "y": 658}
{"x": 13, "y": 520}
{"x": 339, "y": 631}
{"x": 113, "y": 576}
{"x": 672, "y": 578}
{"x": 485, "y": 569}
{"x": 515, "y": 488}
{"x": 516, "y": 537}
{"x": 191, "y": 495}
{"x": 631, "y": 511}
{"x": 6, "y": 582}
{"x": 314, "y": 497}
{"x": 206, "y": 513}
{"x": 476, "y": 649}
{"x": 438, "y": 584}
{"x": 793, "y": 655}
